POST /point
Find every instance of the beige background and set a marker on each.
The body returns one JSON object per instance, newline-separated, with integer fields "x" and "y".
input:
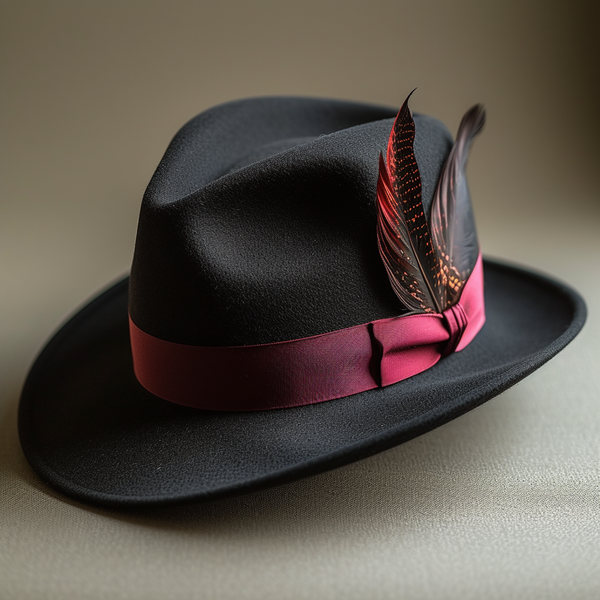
{"x": 503, "y": 502}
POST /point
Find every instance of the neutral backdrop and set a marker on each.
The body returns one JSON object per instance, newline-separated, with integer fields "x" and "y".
{"x": 503, "y": 502}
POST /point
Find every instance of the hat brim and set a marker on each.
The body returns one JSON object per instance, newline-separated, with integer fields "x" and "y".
{"x": 92, "y": 432}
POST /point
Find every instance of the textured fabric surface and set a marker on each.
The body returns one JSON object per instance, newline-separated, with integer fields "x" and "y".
{"x": 500, "y": 503}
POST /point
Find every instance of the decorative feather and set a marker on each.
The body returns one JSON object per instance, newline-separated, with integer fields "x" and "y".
{"x": 427, "y": 270}
{"x": 452, "y": 222}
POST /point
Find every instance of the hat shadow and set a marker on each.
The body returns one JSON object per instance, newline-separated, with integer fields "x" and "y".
{"x": 404, "y": 483}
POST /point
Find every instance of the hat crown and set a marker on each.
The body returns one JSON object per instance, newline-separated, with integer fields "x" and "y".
{"x": 259, "y": 223}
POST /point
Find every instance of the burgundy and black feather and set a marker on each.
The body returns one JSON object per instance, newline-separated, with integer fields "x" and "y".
{"x": 428, "y": 263}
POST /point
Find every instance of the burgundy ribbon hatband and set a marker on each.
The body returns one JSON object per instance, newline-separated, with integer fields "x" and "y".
{"x": 307, "y": 370}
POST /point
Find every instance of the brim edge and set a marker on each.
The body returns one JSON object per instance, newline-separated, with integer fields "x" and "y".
{"x": 512, "y": 374}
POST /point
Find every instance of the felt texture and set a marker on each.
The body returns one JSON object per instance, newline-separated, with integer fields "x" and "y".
{"x": 278, "y": 249}
{"x": 90, "y": 430}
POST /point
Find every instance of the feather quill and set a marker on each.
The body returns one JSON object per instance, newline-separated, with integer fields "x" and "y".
{"x": 426, "y": 270}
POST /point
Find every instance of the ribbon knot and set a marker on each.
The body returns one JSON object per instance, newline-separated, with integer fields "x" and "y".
{"x": 455, "y": 321}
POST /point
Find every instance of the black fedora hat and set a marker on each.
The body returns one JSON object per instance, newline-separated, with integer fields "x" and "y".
{"x": 258, "y": 231}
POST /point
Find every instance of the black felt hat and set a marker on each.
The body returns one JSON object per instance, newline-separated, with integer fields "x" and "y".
{"x": 258, "y": 227}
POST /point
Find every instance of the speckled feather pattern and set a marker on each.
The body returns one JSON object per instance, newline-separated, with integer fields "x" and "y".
{"x": 427, "y": 263}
